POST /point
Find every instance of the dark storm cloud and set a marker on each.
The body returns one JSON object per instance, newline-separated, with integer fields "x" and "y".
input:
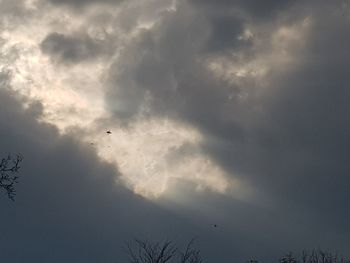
{"x": 73, "y": 49}
{"x": 289, "y": 140}
{"x": 305, "y": 121}
{"x": 163, "y": 63}
{"x": 255, "y": 8}
{"x": 225, "y": 32}
{"x": 69, "y": 207}
{"x": 297, "y": 145}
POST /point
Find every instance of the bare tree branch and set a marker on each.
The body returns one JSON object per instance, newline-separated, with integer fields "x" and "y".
{"x": 9, "y": 168}
{"x": 191, "y": 255}
{"x": 140, "y": 251}
{"x": 147, "y": 252}
{"x": 314, "y": 256}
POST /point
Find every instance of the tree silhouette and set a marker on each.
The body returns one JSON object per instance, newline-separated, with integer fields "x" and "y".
{"x": 314, "y": 256}
{"x": 190, "y": 255}
{"x": 289, "y": 258}
{"x": 140, "y": 251}
{"x": 9, "y": 168}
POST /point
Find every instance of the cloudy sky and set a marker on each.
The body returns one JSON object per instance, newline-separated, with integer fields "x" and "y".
{"x": 227, "y": 112}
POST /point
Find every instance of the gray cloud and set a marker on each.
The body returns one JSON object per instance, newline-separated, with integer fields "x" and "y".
{"x": 69, "y": 206}
{"x": 225, "y": 32}
{"x": 286, "y": 136}
{"x": 255, "y": 8}
{"x": 82, "y": 3}
{"x": 288, "y": 140}
{"x": 162, "y": 62}
{"x": 74, "y": 49}
{"x": 12, "y": 7}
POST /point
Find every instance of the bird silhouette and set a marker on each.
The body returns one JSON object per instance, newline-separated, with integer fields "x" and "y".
{"x": 108, "y": 132}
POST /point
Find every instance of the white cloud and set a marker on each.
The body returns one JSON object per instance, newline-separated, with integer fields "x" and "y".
{"x": 73, "y": 99}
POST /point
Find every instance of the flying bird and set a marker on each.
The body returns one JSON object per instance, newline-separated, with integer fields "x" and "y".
{"x": 108, "y": 132}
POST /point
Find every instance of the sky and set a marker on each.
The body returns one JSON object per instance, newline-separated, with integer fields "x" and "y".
{"x": 225, "y": 112}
